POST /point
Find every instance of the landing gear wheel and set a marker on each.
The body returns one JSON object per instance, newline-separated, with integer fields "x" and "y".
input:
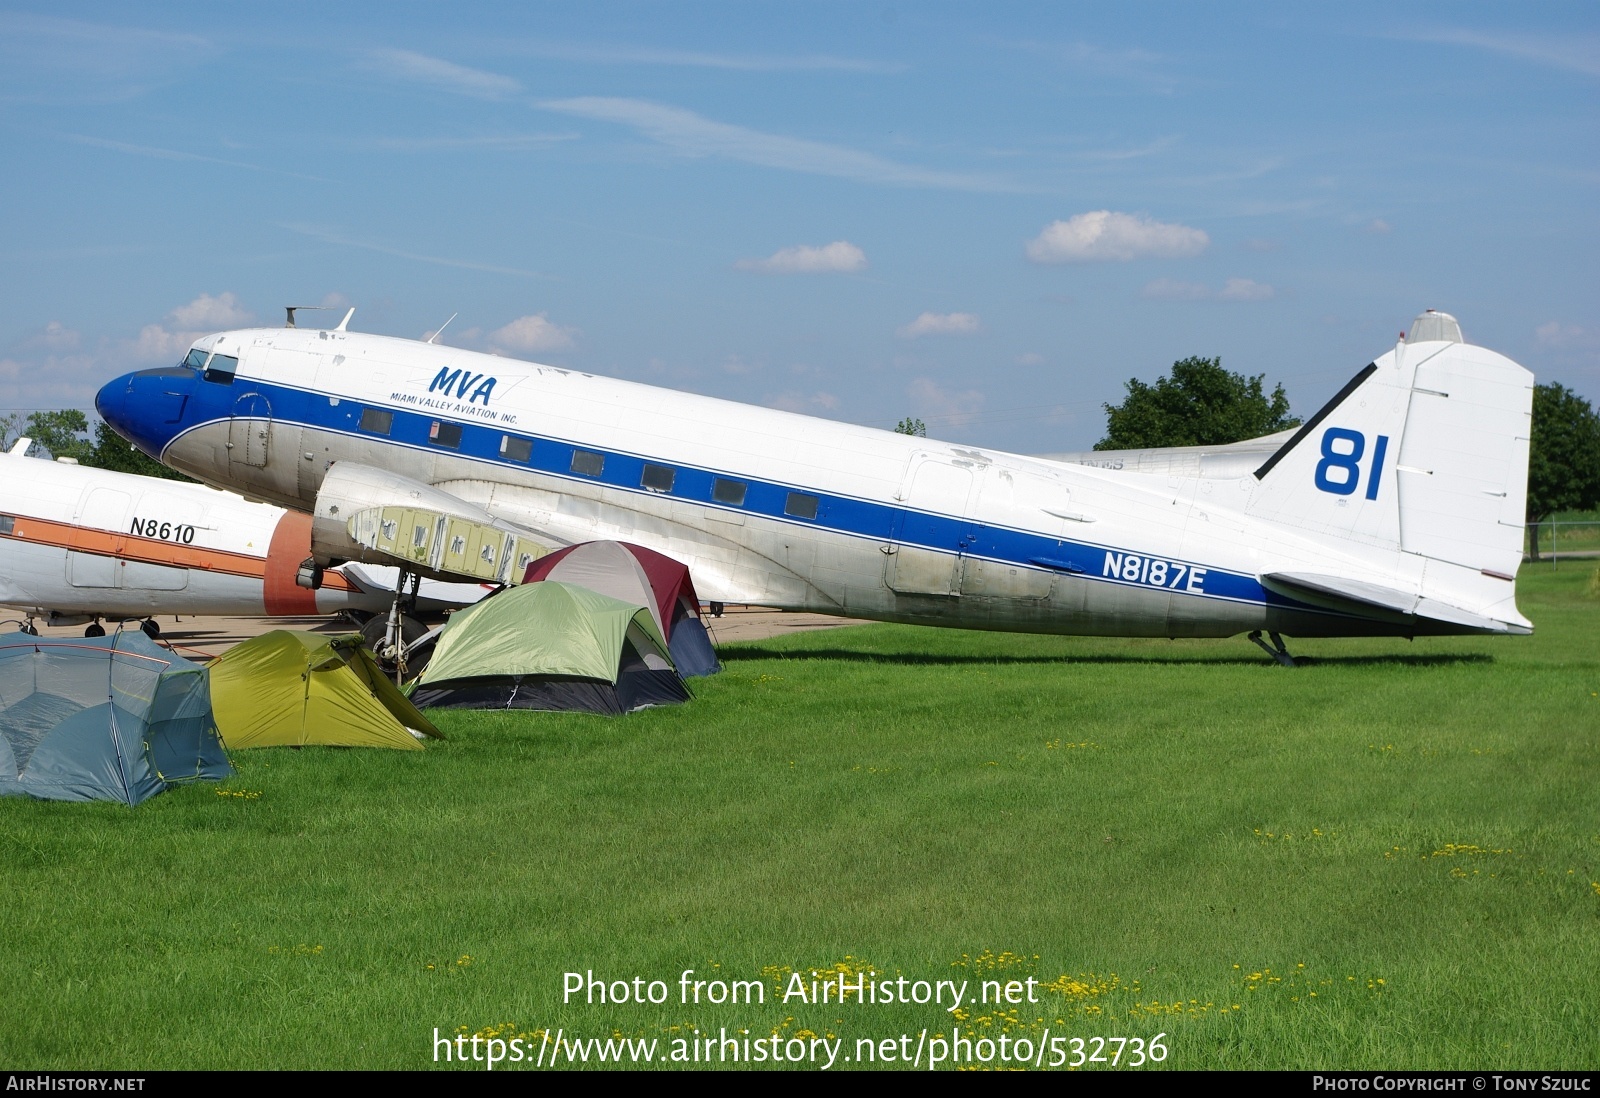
{"x": 95, "y": 630}
{"x": 375, "y": 633}
{"x": 151, "y": 629}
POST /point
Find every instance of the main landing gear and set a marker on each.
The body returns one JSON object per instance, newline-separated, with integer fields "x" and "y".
{"x": 1276, "y": 649}
{"x": 149, "y": 627}
{"x": 397, "y": 639}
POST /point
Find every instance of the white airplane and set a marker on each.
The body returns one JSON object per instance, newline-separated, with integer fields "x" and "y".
{"x": 80, "y": 544}
{"x": 1397, "y": 509}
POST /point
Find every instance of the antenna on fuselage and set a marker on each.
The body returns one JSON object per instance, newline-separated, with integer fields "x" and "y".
{"x": 441, "y": 328}
{"x": 290, "y": 310}
{"x": 341, "y": 325}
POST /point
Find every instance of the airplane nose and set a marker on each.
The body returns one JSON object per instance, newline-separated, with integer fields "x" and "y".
{"x": 111, "y": 403}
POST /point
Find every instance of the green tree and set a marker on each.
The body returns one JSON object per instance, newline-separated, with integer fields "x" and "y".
{"x": 61, "y": 433}
{"x": 1200, "y": 404}
{"x": 909, "y": 426}
{"x": 112, "y": 451}
{"x": 1563, "y": 457}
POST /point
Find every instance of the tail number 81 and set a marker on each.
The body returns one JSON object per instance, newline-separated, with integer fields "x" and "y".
{"x": 1339, "y": 471}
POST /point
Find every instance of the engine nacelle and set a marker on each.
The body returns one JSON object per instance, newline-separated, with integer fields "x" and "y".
{"x": 348, "y": 489}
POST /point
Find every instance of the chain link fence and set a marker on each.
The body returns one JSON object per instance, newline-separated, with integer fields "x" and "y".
{"x": 1564, "y": 539}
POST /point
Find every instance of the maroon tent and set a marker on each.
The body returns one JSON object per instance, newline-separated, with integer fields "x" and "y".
{"x": 643, "y": 577}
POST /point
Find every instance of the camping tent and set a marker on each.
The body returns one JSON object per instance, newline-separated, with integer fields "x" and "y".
{"x": 551, "y": 646}
{"x": 291, "y": 688}
{"x": 115, "y": 718}
{"x": 633, "y": 573}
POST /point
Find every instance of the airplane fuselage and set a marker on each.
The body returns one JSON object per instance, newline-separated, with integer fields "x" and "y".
{"x": 82, "y": 542}
{"x": 765, "y": 506}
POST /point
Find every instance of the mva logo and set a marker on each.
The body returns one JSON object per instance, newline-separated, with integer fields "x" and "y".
{"x": 457, "y": 382}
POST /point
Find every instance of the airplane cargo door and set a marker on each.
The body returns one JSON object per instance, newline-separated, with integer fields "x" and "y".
{"x": 1011, "y": 506}
{"x": 933, "y": 530}
{"x": 101, "y": 516}
{"x": 249, "y": 430}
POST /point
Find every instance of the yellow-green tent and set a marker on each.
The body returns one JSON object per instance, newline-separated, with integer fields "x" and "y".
{"x": 291, "y": 688}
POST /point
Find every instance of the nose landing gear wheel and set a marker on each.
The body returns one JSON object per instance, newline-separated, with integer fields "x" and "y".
{"x": 151, "y": 629}
{"x": 95, "y": 630}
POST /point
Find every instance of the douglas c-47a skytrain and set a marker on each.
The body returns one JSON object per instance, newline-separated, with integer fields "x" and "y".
{"x": 1397, "y": 509}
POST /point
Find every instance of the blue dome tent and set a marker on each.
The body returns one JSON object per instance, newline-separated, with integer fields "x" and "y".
{"x": 115, "y": 718}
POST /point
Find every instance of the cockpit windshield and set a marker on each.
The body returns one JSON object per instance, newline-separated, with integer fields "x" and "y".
{"x": 196, "y": 359}
{"x": 221, "y": 369}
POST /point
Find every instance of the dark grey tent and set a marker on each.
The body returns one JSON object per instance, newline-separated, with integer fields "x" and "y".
{"x": 115, "y": 718}
{"x": 550, "y": 646}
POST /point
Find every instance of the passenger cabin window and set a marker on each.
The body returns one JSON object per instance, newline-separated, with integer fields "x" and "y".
{"x": 7, "y": 524}
{"x": 221, "y": 369}
{"x": 800, "y": 505}
{"x": 728, "y": 491}
{"x": 658, "y": 478}
{"x": 516, "y": 449}
{"x": 444, "y": 434}
{"x": 375, "y": 421}
{"x": 589, "y": 464}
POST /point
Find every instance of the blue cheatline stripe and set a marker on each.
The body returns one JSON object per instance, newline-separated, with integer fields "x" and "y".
{"x": 846, "y": 515}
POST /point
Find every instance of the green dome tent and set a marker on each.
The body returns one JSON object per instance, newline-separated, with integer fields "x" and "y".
{"x": 287, "y": 688}
{"x": 551, "y": 646}
{"x": 116, "y": 718}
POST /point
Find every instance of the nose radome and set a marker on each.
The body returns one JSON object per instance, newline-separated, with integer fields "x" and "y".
{"x": 111, "y": 402}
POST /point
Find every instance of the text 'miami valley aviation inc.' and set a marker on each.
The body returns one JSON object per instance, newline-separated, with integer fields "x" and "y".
{"x": 1397, "y": 509}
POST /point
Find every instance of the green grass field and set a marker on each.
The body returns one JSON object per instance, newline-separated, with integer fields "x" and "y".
{"x": 1385, "y": 858}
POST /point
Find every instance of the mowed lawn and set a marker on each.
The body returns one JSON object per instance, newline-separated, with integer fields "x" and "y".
{"x": 1387, "y": 857}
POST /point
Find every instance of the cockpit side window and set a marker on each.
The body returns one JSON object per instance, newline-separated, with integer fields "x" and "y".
{"x": 196, "y": 359}
{"x": 221, "y": 369}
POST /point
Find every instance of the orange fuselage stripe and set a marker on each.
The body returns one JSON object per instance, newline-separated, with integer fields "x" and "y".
{"x": 133, "y": 547}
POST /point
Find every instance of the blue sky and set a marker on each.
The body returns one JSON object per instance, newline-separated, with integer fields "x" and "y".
{"x": 986, "y": 216}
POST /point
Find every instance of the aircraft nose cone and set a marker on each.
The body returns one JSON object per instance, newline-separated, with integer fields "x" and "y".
{"x": 111, "y": 403}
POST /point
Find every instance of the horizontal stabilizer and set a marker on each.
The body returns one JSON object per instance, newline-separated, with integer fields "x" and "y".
{"x": 1371, "y": 599}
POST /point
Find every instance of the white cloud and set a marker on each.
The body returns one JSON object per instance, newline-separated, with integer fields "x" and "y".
{"x": 940, "y": 324}
{"x": 1106, "y": 235}
{"x": 343, "y": 241}
{"x": 1572, "y": 52}
{"x": 532, "y": 333}
{"x": 443, "y": 74}
{"x": 1377, "y": 226}
{"x": 211, "y": 314}
{"x": 931, "y": 400}
{"x": 792, "y": 400}
{"x": 1245, "y": 289}
{"x": 56, "y": 336}
{"x": 694, "y": 135}
{"x": 840, "y": 256}
{"x": 1558, "y": 336}
{"x": 1235, "y": 289}
{"x": 1030, "y": 358}
{"x": 641, "y": 55}
{"x": 187, "y": 323}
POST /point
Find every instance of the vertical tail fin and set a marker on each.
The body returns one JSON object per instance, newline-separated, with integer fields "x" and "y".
{"x": 1425, "y": 451}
